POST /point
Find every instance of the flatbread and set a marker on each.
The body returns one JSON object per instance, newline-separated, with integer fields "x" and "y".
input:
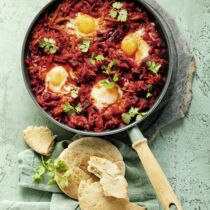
{"x": 78, "y": 154}
{"x": 111, "y": 180}
{"x": 40, "y": 139}
{"x": 91, "y": 197}
{"x": 74, "y": 179}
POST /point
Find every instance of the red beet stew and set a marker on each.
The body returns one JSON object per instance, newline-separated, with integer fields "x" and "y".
{"x": 97, "y": 65}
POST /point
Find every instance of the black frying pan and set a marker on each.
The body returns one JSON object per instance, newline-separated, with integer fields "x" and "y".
{"x": 158, "y": 179}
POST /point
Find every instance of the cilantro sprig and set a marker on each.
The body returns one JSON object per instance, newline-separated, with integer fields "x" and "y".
{"x": 133, "y": 112}
{"x": 150, "y": 88}
{"x": 69, "y": 109}
{"x": 49, "y": 45}
{"x": 51, "y": 168}
{"x": 107, "y": 84}
{"x": 118, "y": 13}
{"x": 74, "y": 92}
{"x": 153, "y": 66}
{"x": 112, "y": 79}
{"x": 95, "y": 58}
{"x": 84, "y": 45}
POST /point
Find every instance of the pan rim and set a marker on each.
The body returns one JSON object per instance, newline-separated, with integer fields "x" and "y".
{"x": 152, "y": 12}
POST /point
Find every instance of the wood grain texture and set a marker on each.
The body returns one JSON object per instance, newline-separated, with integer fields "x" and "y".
{"x": 182, "y": 149}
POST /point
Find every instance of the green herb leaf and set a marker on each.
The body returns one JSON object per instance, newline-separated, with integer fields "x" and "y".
{"x": 51, "y": 181}
{"x": 84, "y": 46}
{"x": 138, "y": 117}
{"x": 149, "y": 95}
{"x": 109, "y": 67}
{"x": 60, "y": 165}
{"x": 78, "y": 108}
{"x": 38, "y": 176}
{"x": 117, "y": 5}
{"x": 67, "y": 108}
{"x": 64, "y": 182}
{"x": 92, "y": 59}
{"x": 107, "y": 84}
{"x": 123, "y": 14}
{"x": 113, "y": 13}
{"x": 49, "y": 45}
{"x": 100, "y": 58}
{"x": 153, "y": 66}
{"x": 74, "y": 92}
{"x": 116, "y": 77}
{"x": 133, "y": 111}
{"x": 126, "y": 118}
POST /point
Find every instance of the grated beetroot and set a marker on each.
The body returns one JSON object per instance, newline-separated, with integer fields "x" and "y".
{"x": 134, "y": 78}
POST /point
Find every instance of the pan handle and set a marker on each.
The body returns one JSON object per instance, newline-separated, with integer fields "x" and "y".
{"x": 156, "y": 175}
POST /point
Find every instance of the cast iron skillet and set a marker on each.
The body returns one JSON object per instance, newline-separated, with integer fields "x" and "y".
{"x": 158, "y": 179}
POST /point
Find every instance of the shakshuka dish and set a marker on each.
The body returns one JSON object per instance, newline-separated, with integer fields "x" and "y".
{"x": 97, "y": 65}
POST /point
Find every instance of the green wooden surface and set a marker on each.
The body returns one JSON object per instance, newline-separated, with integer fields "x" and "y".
{"x": 183, "y": 149}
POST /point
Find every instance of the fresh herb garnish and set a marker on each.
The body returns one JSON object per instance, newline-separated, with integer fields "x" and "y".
{"x": 116, "y": 77}
{"x": 49, "y": 45}
{"x": 100, "y": 58}
{"x": 109, "y": 67}
{"x": 117, "y": 5}
{"x": 113, "y": 13}
{"x": 153, "y": 66}
{"x": 74, "y": 92}
{"x": 133, "y": 112}
{"x": 94, "y": 58}
{"x": 150, "y": 88}
{"x": 52, "y": 168}
{"x": 84, "y": 46}
{"x": 69, "y": 109}
{"x": 118, "y": 13}
{"x": 107, "y": 84}
{"x": 123, "y": 14}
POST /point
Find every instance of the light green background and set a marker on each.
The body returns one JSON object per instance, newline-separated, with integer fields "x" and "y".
{"x": 183, "y": 149}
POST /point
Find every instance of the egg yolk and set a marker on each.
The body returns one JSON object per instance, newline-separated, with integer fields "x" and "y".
{"x": 129, "y": 45}
{"x": 57, "y": 75}
{"x": 86, "y": 24}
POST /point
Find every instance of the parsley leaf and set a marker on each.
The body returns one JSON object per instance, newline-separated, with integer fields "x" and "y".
{"x": 153, "y": 66}
{"x": 133, "y": 112}
{"x": 116, "y": 77}
{"x": 49, "y": 45}
{"x": 84, "y": 46}
{"x": 117, "y": 5}
{"x": 149, "y": 95}
{"x": 109, "y": 67}
{"x": 107, "y": 84}
{"x": 74, "y": 92}
{"x": 100, "y": 58}
{"x": 113, "y": 13}
{"x": 50, "y": 167}
{"x": 60, "y": 165}
{"x": 78, "y": 108}
{"x": 126, "y": 118}
{"x": 67, "y": 108}
{"x": 92, "y": 59}
{"x": 123, "y": 14}
{"x": 40, "y": 171}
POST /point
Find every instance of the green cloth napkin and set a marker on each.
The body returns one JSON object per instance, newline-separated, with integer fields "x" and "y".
{"x": 140, "y": 190}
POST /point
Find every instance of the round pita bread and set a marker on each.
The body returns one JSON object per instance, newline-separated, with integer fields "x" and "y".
{"x": 78, "y": 154}
{"x": 91, "y": 197}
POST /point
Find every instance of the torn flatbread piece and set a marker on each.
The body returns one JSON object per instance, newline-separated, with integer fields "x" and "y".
{"x": 91, "y": 197}
{"x": 78, "y": 154}
{"x": 111, "y": 180}
{"x": 40, "y": 139}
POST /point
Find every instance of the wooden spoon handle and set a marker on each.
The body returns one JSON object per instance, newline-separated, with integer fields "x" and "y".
{"x": 156, "y": 175}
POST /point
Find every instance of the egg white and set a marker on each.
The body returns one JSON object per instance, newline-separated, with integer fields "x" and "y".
{"x": 103, "y": 97}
